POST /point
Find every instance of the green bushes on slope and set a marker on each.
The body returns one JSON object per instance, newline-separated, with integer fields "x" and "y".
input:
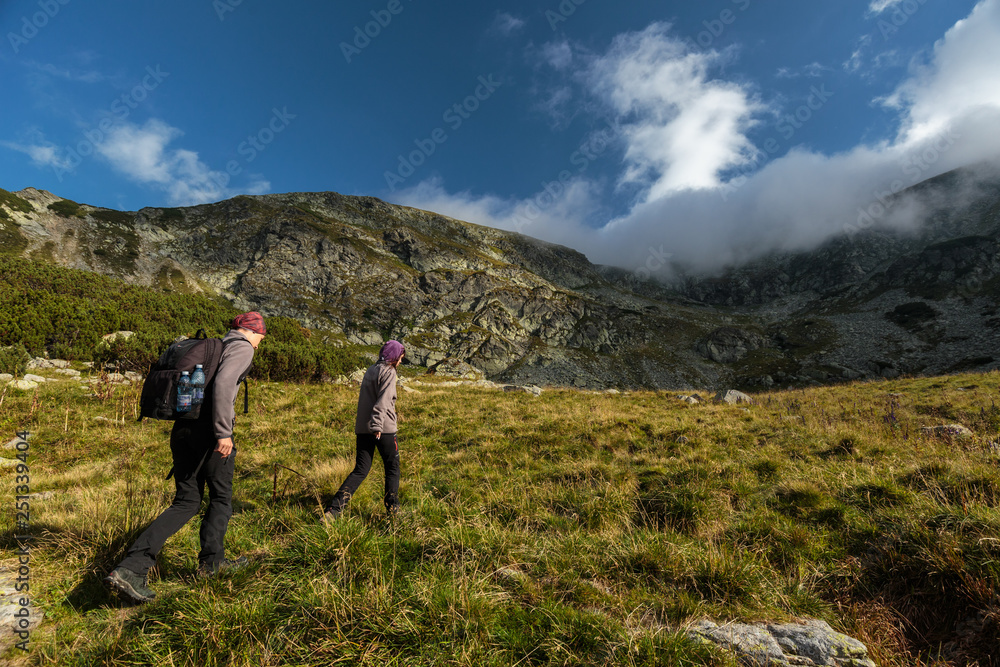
{"x": 14, "y": 359}
{"x": 296, "y": 362}
{"x": 65, "y": 313}
{"x": 14, "y": 203}
{"x": 67, "y": 208}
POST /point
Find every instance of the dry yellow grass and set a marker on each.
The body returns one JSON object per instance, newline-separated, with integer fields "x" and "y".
{"x": 573, "y": 528}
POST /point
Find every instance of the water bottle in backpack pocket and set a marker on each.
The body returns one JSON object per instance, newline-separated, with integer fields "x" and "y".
{"x": 162, "y": 396}
{"x": 185, "y": 393}
{"x": 198, "y": 385}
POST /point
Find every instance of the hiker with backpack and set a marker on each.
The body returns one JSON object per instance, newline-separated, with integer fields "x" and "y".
{"x": 203, "y": 455}
{"x": 375, "y": 428}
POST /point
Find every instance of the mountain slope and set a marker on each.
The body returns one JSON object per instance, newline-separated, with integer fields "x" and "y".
{"x": 878, "y": 302}
{"x": 962, "y": 204}
{"x": 366, "y": 270}
{"x": 883, "y": 300}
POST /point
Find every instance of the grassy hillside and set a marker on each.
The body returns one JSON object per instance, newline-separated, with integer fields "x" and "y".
{"x": 570, "y": 529}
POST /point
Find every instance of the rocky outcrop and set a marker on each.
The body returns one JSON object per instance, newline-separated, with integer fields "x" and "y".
{"x": 22, "y": 384}
{"x": 733, "y": 397}
{"x": 456, "y": 368}
{"x": 812, "y": 642}
{"x": 729, "y": 344}
{"x": 947, "y": 432}
{"x": 532, "y": 390}
{"x": 17, "y": 619}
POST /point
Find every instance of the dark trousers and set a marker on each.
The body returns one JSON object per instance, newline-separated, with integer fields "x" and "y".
{"x": 388, "y": 449}
{"x": 196, "y": 465}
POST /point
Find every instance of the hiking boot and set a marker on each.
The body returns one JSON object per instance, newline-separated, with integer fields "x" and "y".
{"x": 132, "y": 584}
{"x": 206, "y": 571}
{"x": 332, "y": 514}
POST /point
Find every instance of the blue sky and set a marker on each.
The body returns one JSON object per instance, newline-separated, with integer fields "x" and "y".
{"x": 708, "y": 132}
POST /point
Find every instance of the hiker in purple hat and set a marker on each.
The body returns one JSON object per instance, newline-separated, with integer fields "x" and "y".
{"x": 375, "y": 428}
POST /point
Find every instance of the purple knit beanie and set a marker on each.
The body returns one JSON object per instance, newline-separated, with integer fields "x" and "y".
{"x": 391, "y": 352}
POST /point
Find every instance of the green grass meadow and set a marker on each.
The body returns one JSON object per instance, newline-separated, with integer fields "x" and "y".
{"x": 570, "y": 529}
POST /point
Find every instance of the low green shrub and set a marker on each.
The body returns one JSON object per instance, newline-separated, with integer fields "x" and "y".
{"x": 14, "y": 203}
{"x": 65, "y": 313}
{"x": 14, "y": 359}
{"x": 115, "y": 217}
{"x": 67, "y": 208}
{"x": 303, "y": 362}
{"x": 134, "y": 353}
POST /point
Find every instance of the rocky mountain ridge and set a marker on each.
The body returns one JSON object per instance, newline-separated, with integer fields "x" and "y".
{"x": 880, "y": 300}
{"x": 363, "y": 270}
{"x": 949, "y": 250}
{"x": 877, "y": 303}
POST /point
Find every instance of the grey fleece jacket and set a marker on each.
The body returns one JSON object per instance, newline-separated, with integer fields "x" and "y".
{"x": 236, "y": 359}
{"x": 377, "y": 400}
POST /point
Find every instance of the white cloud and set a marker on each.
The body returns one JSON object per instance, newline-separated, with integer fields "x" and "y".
{"x": 812, "y": 70}
{"x": 682, "y": 130}
{"x": 682, "y": 127}
{"x": 142, "y": 154}
{"x": 551, "y": 214}
{"x": 507, "y": 24}
{"x": 42, "y": 154}
{"x": 139, "y": 152}
{"x": 557, "y": 106}
{"x": 854, "y": 63}
{"x": 962, "y": 77}
{"x": 77, "y": 75}
{"x": 879, "y": 6}
{"x": 868, "y": 66}
{"x": 558, "y": 55}
{"x": 557, "y": 79}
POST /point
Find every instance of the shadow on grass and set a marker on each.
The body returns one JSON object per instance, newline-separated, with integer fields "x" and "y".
{"x": 90, "y": 591}
{"x": 303, "y": 499}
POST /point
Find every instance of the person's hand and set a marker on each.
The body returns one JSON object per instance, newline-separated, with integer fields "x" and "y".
{"x": 378, "y": 435}
{"x": 224, "y": 446}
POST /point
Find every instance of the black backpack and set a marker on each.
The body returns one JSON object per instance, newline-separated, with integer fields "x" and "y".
{"x": 159, "y": 390}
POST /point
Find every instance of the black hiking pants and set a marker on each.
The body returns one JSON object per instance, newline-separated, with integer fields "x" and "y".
{"x": 388, "y": 449}
{"x": 196, "y": 465}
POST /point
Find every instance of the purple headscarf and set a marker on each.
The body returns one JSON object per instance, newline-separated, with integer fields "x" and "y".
{"x": 252, "y": 321}
{"x": 391, "y": 352}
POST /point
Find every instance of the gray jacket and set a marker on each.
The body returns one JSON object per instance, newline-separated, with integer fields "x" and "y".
{"x": 236, "y": 359}
{"x": 377, "y": 400}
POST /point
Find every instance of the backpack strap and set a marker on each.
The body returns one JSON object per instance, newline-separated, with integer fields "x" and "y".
{"x": 213, "y": 358}
{"x": 246, "y": 396}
